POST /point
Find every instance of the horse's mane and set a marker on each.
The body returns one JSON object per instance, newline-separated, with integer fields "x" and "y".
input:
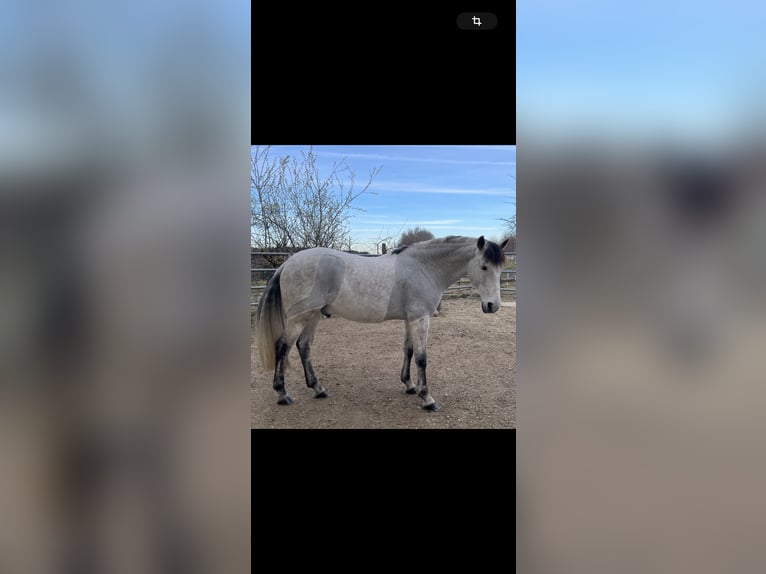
{"x": 430, "y": 243}
{"x": 492, "y": 252}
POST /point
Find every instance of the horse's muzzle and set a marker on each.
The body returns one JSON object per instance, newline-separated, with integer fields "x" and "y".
{"x": 490, "y": 307}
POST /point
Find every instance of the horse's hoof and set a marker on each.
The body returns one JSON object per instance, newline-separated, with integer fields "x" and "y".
{"x": 286, "y": 400}
{"x": 433, "y": 407}
{"x": 322, "y": 394}
{"x": 410, "y": 391}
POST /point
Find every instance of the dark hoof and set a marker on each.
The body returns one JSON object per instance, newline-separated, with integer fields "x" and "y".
{"x": 322, "y": 395}
{"x": 410, "y": 391}
{"x": 286, "y": 400}
{"x": 433, "y": 407}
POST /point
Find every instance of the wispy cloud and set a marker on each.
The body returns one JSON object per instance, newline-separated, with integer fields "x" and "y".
{"x": 476, "y": 147}
{"x": 451, "y": 228}
{"x": 385, "y": 157}
{"x": 422, "y": 188}
{"x": 432, "y": 222}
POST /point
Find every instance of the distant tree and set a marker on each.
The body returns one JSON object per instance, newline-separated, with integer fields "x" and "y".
{"x": 510, "y": 224}
{"x": 414, "y": 235}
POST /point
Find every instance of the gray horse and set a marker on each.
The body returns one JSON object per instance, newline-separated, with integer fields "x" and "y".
{"x": 405, "y": 284}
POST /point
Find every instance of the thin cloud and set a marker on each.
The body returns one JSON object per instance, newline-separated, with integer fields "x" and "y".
{"x": 437, "y": 222}
{"x": 433, "y": 222}
{"x": 421, "y": 188}
{"x": 384, "y": 157}
{"x": 473, "y": 147}
{"x": 451, "y": 228}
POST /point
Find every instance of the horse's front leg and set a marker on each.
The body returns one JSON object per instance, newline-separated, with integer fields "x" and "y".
{"x": 419, "y": 337}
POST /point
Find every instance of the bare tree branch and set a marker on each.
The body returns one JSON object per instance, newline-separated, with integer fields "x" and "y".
{"x": 294, "y": 206}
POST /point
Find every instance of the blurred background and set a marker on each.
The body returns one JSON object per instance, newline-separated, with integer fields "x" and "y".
{"x": 124, "y": 287}
{"x": 642, "y": 289}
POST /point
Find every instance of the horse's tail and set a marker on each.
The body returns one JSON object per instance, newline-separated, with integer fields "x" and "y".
{"x": 270, "y": 321}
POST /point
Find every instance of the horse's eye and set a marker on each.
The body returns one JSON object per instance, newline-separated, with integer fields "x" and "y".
{"x": 483, "y": 267}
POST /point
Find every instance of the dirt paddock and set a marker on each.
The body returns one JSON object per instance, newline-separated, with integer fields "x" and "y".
{"x": 471, "y": 374}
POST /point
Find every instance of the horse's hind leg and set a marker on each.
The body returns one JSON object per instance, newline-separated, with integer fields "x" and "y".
{"x": 405, "y": 375}
{"x": 304, "y": 348}
{"x": 282, "y": 349}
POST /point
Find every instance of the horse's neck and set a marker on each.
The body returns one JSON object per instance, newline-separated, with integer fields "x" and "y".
{"x": 449, "y": 266}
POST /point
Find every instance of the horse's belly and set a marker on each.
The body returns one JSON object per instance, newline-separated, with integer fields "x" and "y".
{"x": 364, "y": 298}
{"x": 354, "y": 309}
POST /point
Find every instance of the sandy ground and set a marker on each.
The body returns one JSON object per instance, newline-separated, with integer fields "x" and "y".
{"x": 471, "y": 374}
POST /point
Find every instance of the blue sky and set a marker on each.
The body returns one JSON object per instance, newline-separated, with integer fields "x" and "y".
{"x": 449, "y": 190}
{"x": 691, "y": 70}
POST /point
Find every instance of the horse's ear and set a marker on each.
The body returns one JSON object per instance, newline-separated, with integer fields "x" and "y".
{"x": 480, "y": 243}
{"x": 504, "y": 243}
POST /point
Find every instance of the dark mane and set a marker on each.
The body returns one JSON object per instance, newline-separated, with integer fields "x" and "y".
{"x": 493, "y": 254}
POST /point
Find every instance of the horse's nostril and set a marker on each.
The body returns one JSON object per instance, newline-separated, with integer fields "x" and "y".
{"x": 489, "y": 307}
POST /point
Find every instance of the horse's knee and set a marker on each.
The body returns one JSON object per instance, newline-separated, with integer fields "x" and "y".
{"x": 421, "y": 361}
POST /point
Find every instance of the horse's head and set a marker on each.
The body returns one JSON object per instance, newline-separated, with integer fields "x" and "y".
{"x": 484, "y": 271}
